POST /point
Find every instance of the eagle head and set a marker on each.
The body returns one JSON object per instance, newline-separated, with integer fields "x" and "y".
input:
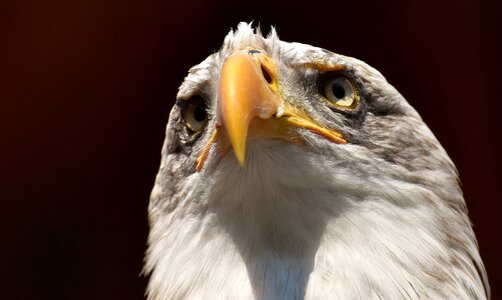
{"x": 292, "y": 172}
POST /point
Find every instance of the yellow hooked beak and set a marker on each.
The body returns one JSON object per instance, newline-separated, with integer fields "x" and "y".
{"x": 249, "y": 106}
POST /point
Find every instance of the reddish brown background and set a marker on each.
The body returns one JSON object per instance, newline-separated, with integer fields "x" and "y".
{"x": 86, "y": 87}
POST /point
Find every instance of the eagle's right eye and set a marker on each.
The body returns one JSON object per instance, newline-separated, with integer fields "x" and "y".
{"x": 195, "y": 114}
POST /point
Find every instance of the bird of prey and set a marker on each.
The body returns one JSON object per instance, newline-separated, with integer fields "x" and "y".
{"x": 291, "y": 172}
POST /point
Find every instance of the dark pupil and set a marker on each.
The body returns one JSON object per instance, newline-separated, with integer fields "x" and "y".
{"x": 338, "y": 90}
{"x": 200, "y": 114}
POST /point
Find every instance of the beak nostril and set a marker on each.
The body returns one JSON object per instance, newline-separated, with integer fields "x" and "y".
{"x": 254, "y": 51}
{"x": 266, "y": 74}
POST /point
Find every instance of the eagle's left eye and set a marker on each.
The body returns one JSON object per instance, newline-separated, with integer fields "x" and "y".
{"x": 195, "y": 114}
{"x": 339, "y": 91}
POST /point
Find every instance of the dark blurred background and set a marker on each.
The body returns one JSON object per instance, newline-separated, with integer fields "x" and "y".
{"x": 86, "y": 88}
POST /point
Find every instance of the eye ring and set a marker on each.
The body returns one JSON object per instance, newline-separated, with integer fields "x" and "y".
{"x": 340, "y": 92}
{"x": 195, "y": 114}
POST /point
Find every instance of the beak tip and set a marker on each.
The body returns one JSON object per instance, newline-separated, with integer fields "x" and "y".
{"x": 240, "y": 154}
